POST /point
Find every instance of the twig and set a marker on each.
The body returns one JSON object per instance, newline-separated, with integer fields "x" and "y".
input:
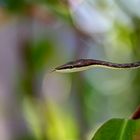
{"x": 136, "y": 114}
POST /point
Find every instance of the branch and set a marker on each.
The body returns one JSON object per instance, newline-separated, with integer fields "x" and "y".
{"x": 136, "y": 114}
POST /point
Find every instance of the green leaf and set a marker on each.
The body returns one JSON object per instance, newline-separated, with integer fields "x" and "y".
{"x": 119, "y": 129}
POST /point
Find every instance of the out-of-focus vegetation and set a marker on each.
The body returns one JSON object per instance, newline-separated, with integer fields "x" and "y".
{"x": 36, "y": 36}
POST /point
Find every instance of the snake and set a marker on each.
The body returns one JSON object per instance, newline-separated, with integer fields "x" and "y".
{"x": 85, "y": 64}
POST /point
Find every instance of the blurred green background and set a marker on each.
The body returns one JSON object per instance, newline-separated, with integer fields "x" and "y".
{"x": 38, "y": 35}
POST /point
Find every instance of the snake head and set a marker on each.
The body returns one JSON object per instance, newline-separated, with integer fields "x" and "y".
{"x": 75, "y": 66}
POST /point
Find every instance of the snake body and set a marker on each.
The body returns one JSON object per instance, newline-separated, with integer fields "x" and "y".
{"x": 84, "y": 64}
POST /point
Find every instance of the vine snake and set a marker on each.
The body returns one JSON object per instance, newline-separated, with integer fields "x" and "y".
{"x": 85, "y": 64}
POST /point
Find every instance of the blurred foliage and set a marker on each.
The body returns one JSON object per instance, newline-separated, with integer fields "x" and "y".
{"x": 41, "y": 53}
{"x": 49, "y": 121}
{"x": 52, "y": 2}
{"x": 57, "y": 7}
{"x": 88, "y": 103}
{"x": 16, "y": 5}
{"x": 37, "y": 56}
{"x": 60, "y": 9}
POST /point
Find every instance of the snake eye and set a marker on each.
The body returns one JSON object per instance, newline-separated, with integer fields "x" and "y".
{"x": 71, "y": 66}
